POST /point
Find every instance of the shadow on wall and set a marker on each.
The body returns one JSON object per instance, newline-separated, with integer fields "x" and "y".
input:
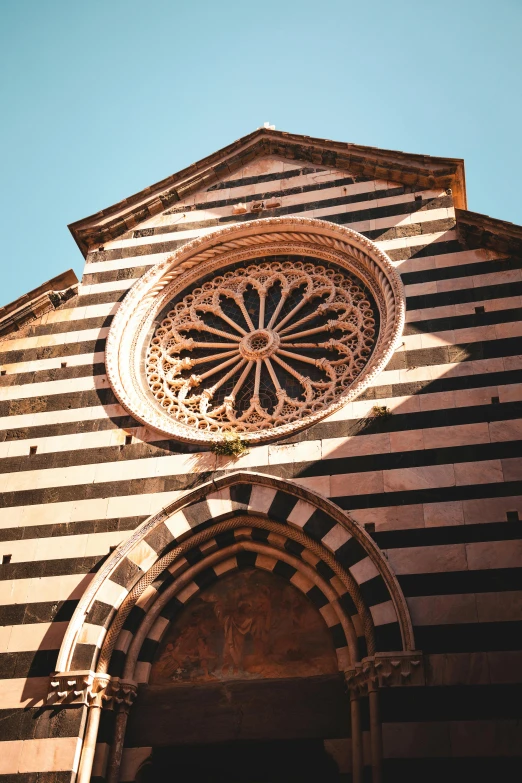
{"x": 40, "y": 664}
{"x": 385, "y": 468}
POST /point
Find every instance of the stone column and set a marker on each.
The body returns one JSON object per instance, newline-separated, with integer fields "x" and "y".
{"x": 89, "y": 743}
{"x": 82, "y": 687}
{"x": 366, "y": 679}
{"x": 375, "y": 733}
{"x": 96, "y": 692}
{"x": 124, "y": 694}
{"x": 357, "y": 741}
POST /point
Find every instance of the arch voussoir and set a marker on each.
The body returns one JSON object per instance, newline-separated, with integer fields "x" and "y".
{"x": 219, "y": 562}
{"x": 139, "y": 561}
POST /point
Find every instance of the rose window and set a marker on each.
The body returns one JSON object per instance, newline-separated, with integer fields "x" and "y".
{"x": 269, "y": 342}
{"x": 259, "y": 329}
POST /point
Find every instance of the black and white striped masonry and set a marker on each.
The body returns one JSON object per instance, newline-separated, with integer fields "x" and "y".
{"x": 428, "y": 499}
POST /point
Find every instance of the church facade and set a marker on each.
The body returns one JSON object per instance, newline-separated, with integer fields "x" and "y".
{"x": 262, "y": 481}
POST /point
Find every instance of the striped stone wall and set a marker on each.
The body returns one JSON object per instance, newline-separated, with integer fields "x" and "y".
{"x": 438, "y": 484}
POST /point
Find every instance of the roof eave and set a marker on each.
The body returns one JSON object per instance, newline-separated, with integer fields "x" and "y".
{"x": 481, "y": 231}
{"x": 35, "y": 303}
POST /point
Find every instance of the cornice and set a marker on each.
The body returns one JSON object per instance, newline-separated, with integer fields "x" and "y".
{"x": 35, "y": 303}
{"x": 420, "y": 171}
{"x": 481, "y": 231}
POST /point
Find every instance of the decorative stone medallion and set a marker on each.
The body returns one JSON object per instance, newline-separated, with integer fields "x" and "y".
{"x": 261, "y": 346}
{"x": 260, "y": 329}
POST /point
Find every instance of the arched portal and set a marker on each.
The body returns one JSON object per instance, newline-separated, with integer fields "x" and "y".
{"x": 252, "y": 661}
{"x": 251, "y": 623}
{"x": 242, "y": 520}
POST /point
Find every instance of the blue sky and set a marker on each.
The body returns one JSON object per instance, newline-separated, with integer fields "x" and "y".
{"x": 102, "y": 98}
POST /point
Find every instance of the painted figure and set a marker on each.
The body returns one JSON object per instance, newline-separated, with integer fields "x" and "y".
{"x": 250, "y": 625}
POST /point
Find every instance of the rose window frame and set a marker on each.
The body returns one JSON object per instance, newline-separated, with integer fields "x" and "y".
{"x": 227, "y": 254}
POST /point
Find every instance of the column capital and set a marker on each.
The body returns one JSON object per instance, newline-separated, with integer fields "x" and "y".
{"x": 92, "y": 689}
{"x": 385, "y": 670}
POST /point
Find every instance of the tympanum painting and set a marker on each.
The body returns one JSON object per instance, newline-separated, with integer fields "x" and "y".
{"x": 248, "y": 625}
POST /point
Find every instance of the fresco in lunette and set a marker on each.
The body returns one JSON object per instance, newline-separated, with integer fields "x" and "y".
{"x": 250, "y": 624}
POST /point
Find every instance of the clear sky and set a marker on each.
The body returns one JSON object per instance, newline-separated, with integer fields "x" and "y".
{"x": 101, "y": 98}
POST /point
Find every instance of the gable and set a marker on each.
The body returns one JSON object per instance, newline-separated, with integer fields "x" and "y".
{"x": 415, "y": 171}
{"x": 265, "y": 187}
{"x": 272, "y": 186}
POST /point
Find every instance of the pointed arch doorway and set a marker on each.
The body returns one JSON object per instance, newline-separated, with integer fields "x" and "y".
{"x": 240, "y": 524}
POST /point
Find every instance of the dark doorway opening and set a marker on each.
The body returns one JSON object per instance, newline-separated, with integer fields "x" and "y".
{"x": 283, "y": 761}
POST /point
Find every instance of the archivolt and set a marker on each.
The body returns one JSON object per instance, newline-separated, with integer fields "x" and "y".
{"x": 322, "y": 536}
{"x": 312, "y": 554}
{"x": 147, "y": 637}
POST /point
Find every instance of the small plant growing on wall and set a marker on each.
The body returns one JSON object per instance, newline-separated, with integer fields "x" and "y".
{"x": 230, "y": 446}
{"x": 381, "y": 412}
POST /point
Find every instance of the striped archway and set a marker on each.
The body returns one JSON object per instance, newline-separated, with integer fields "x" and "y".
{"x": 243, "y": 519}
{"x": 145, "y": 554}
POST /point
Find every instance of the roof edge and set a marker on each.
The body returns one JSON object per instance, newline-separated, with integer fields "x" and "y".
{"x": 414, "y": 170}
{"x": 47, "y": 296}
{"x": 477, "y": 230}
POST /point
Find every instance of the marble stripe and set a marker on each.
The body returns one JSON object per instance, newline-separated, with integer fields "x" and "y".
{"x": 390, "y": 244}
{"x": 48, "y": 755}
{"x": 41, "y": 341}
{"x": 44, "y": 418}
{"x": 278, "y": 454}
{"x": 114, "y": 436}
{"x": 37, "y": 365}
{"x": 89, "y": 509}
{"x": 82, "y": 545}
{"x": 463, "y": 283}
{"x": 411, "y": 342}
{"x": 47, "y": 388}
{"x": 466, "y": 608}
{"x": 455, "y": 557}
{"x": 466, "y": 308}
{"x": 33, "y": 636}
{"x": 316, "y": 210}
{"x": 44, "y": 588}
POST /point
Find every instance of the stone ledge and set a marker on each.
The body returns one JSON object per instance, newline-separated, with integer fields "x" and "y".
{"x": 481, "y": 231}
{"x": 48, "y": 296}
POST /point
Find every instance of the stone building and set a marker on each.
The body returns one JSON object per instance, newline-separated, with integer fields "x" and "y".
{"x": 261, "y": 481}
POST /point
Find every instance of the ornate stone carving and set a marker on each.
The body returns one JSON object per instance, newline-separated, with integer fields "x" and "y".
{"x": 153, "y": 367}
{"x": 386, "y": 670}
{"x": 121, "y": 694}
{"x": 261, "y": 346}
{"x": 91, "y": 689}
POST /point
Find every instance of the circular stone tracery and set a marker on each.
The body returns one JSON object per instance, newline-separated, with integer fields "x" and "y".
{"x": 178, "y": 392}
{"x": 261, "y": 346}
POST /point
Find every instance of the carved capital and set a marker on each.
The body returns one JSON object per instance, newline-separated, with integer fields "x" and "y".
{"x": 121, "y": 694}
{"x": 385, "y": 670}
{"x": 76, "y": 687}
{"x": 91, "y": 689}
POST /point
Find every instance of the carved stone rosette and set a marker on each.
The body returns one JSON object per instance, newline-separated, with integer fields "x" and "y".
{"x": 259, "y": 329}
{"x": 385, "y": 670}
{"x": 92, "y": 689}
{"x": 300, "y": 335}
